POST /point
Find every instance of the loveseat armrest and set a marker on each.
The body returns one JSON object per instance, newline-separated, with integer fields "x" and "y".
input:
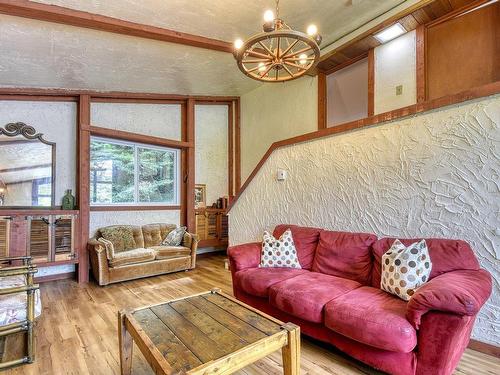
{"x": 461, "y": 292}
{"x": 98, "y": 261}
{"x": 244, "y": 256}
{"x": 191, "y": 240}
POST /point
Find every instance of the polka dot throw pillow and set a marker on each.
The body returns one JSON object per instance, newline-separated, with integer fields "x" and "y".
{"x": 404, "y": 269}
{"x": 279, "y": 252}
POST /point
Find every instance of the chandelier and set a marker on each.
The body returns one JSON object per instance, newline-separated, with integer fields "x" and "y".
{"x": 279, "y": 53}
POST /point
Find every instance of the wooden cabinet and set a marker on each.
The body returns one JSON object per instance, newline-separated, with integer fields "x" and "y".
{"x": 50, "y": 237}
{"x": 212, "y": 227}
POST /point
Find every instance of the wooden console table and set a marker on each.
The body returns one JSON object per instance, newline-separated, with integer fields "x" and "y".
{"x": 207, "y": 333}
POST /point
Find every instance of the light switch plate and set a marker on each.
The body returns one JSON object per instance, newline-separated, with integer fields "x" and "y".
{"x": 399, "y": 90}
{"x": 281, "y": 175}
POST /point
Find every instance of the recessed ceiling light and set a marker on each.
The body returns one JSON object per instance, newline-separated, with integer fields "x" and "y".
{"x": 390, "y": 33}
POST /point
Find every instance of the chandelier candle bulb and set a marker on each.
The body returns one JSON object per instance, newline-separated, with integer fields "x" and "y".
{"x": 268, "y": 16}
{"x": 312, "y": 30}
{"x": 238, "y": 43}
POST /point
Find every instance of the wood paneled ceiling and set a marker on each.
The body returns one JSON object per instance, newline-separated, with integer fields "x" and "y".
{"x": 360, "y": 46}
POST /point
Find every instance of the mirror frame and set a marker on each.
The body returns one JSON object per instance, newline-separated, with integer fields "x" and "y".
{"x": 14, "y": 129}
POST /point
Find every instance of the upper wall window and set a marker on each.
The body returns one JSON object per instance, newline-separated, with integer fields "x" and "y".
{"x": 126, "y": 173}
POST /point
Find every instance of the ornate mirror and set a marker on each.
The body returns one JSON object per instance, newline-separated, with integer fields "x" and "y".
{"x": 27, "y": 168}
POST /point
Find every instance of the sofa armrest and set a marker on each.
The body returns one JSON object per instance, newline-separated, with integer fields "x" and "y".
{"x": 98, "y": 261}
{"x": 191, "y": 240}
{"x": 244, "y": 256}
{"x": 461, "y": 292}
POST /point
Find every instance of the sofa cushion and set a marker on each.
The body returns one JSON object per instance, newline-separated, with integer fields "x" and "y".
{"x": 167, "y": 252}
{"x": 446, "y": 256}
{"x": 305, "y": 239}
{"x": 373, "y": 317}
{"x": 155, "y": 233}
{"x": 257, "y": 281}
{"x": 345, "y": 254}
{"x": 306, "y": 295}
{"x": 121, "y": 236}
{"x": 139, "y": 255}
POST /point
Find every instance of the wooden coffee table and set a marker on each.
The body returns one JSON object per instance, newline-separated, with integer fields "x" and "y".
{"x": 206, "y": 333}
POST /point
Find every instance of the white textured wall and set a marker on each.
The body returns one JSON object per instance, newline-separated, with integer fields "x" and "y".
{"x": 100, "y": 219}
{"x": 276, "y": 111}
{"x": 432, "y": 175}
{"x": 159, "y": 120}
{"x": 57, "y": 121}
{"x": 211, "y": 151}
{"x": 395, "y": 64}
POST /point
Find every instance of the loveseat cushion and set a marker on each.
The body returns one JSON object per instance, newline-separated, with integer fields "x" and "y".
{"x": 306, "y": 295}
{"x": 446, "y": 256}
{"x": 139, "y": 255}
{"x": 167, "y": 252}
{"x": 373, "y": 317}
{"x": 345, "y": 254}
{"x": 257, "y": 281}
{"x": 305, "y": 239}
{"x": 154, "y": 234}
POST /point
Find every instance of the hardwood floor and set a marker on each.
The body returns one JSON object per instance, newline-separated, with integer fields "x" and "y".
{"x": 77, "y": 333}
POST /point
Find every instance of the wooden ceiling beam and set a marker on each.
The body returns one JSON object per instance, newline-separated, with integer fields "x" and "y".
{"x": 67, "y": 16}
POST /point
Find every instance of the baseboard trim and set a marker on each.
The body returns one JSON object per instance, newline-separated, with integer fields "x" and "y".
{"x": 484, "y": 348}
{"x": 59, "y": 276}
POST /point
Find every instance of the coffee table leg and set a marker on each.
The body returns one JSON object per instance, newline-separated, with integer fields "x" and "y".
{"x": 126, "y": 344}
{"x": 291, "y": 352}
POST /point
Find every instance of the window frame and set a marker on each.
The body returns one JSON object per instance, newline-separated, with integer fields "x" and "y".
{"x": 136, "y": 146}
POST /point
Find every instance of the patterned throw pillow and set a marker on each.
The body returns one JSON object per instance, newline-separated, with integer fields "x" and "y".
{"x": 279, "y": 252}
{"x": 404, "y": 269}
{"x": 108, "y": 245}
{"x": 122, "y": 237}
{"x": 174, "y": 238}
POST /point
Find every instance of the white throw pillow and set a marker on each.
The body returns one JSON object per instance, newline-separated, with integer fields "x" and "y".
{"x": 174, "y": 238}
{"x": 279, "y": 252}
{"x": 404, "y": 269}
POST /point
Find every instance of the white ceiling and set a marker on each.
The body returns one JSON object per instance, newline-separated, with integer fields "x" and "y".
{"x": 40, "y": 54}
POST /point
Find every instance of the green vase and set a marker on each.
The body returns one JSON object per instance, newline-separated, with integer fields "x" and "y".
{"x": 68, "y": 201}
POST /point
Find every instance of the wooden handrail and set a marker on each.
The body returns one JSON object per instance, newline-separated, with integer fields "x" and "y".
{"x": 474, "y": 93}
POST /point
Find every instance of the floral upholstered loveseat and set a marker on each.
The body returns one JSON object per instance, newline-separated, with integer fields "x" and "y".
{"x": 131, "y": 252}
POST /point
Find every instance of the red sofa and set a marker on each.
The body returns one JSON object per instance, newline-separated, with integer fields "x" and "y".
{"x": 336, "y": 298}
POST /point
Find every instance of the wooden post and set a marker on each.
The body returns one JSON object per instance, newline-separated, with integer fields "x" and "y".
{"x": 322, "y": 101}
{"x": 126, "y": 345}
{"x": 190, "y": 137}
{"x": 83, "y": 185}
{"x": 291, "y": 352}
{"x": 420, "y": 52}
{"x": 371, "y": 82}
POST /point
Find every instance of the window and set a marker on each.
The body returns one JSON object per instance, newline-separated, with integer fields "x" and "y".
{"x": 126, "y": 173}
{"x": 41, "y": 192}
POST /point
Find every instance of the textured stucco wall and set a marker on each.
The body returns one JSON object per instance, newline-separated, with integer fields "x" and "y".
{"x": 395, "y": 64}
{"x": 158, "y": 120}
{"x": 431, "y": 175}
{"x": 100, "y": 219}
{"x": 211, "y": 151}
{"x": 57, "y": 122}
{"x": 275, "y": 111}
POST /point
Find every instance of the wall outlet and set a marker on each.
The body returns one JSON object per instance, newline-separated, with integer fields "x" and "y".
{"x": 399, "y": 90}
{"x": 281, "y": 175}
